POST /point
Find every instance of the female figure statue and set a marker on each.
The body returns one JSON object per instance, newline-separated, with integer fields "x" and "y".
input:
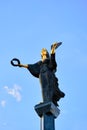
{"x": 45, "y": 70}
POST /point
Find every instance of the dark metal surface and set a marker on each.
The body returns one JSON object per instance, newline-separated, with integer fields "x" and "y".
{"x": 47, "y": 112}
{"x": 15, "y": 62}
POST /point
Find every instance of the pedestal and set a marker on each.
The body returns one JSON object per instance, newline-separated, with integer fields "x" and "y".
{"x": 47, "y": 112}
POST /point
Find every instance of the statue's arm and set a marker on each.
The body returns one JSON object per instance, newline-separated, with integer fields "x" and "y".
{"x": 22, "y": 65}
{"x": 34, "y": 69}
{"x": 55, "y": 46}
{"x": 53, "y": 49}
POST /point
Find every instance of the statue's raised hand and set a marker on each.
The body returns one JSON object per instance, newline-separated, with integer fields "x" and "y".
{"x": 56, "y": 45}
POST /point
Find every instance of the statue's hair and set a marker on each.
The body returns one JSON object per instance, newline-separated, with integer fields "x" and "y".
{"x": 44, "y": 49}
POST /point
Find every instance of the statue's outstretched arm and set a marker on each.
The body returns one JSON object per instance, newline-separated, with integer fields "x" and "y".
{"x": 22, "y": 65}
{"x": 16, "y": 62}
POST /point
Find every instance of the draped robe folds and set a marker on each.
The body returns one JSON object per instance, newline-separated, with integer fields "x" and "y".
{"x": 45, "y": 71}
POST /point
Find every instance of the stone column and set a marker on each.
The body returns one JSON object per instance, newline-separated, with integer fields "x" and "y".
{"x": 48, "y": 112}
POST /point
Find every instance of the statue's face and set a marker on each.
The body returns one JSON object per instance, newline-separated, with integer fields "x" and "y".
{"x": 44, "y": 53}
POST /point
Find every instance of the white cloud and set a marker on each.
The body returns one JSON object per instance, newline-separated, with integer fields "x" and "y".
{"x": 3, "y": 103}
{"x": 15, "y": 92}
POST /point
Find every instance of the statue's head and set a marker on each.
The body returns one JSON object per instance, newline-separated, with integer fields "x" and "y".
{"x": 44, "y": 52}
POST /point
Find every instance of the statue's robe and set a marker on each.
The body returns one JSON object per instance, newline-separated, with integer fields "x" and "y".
{"x": 45, "y": 71}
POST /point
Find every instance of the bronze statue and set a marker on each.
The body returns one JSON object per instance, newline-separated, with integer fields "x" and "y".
{"x": 45, "y": 70}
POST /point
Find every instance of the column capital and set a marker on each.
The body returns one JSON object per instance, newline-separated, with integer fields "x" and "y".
{"x": 47, "y": 107}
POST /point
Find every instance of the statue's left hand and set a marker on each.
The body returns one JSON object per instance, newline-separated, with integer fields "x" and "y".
{"x": 56, "y": 45}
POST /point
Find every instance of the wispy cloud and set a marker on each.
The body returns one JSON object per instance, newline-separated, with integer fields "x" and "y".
{"x": 3, "y": 103}
{"x": 15, "y": 92}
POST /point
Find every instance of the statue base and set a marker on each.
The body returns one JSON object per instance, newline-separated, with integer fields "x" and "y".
{"x": 47, "y": 111}
{"x": 47, "y": 108}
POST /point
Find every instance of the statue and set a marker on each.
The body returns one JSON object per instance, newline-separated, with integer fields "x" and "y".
{"x": 45, "y": 70}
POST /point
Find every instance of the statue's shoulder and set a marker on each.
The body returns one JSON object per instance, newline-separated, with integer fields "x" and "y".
{"x": 39, "y": 62}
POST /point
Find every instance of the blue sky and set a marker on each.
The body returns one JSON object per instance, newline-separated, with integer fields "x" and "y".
{"x": 25, "y": 28}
